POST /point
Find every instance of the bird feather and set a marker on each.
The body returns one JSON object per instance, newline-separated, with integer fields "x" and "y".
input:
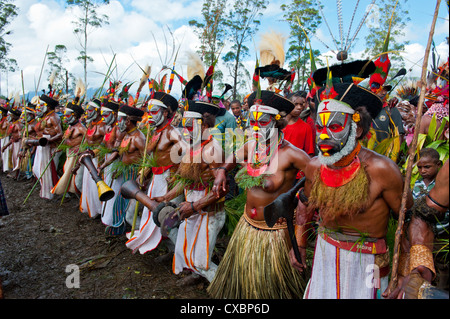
{"x": 195, "y": 66}
{"x": 271, "y": 48}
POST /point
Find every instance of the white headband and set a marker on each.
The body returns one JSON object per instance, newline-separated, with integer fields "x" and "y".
{"x": 192, "y": 114}
{"x": 93, "y": 104}
{"x": 121, "y": 114}
{"x": 334, "y": 106}
{"x": 264, "y": 109}
{"x": 106, "y": 109}
{"x": 157, "y": 102}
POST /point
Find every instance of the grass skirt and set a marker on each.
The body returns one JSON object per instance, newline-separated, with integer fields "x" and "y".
{"x": 256, "y": 266}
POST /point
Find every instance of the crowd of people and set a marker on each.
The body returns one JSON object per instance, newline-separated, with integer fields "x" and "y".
{"x": 183, "y": 159}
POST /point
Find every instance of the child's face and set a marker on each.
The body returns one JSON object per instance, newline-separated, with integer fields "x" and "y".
{"x": 428, "y": 167}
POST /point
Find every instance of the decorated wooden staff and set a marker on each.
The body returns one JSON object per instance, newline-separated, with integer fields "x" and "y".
{"x": 133, "y": 226}
{"x": 412, "y": 147}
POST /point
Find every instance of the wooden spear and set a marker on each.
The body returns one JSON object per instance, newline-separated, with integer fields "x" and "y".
{"x": 411, "y": 154}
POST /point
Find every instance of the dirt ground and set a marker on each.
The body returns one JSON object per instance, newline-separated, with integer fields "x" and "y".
{"x": 42, "y": 237}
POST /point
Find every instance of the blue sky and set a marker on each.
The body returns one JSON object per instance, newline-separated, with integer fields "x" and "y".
{"x": 134, "y": 22}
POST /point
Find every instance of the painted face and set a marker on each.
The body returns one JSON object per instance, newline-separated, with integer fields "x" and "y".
{"x": 122, "y": 123}
{"x": 262, "y": 124}
{"x": 69, "y": 117}
{"x": 192, "y": 128}
{"x": 155, "y": 115}
{"x": 108, "y": 116}
{"x": 333, "y": 130}
{"x": 41, "y": 109}
{"x": 91, "y": 112}
{"x": 28, "y": 117}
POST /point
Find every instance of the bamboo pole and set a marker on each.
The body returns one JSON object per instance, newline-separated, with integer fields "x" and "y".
{"x": 133, "y": 226}
{"x": 412, "y": 148}
{"x": 42, "y": 68}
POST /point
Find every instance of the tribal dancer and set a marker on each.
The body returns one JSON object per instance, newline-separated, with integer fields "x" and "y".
{"x": 256, "y": 262}
{"x": 3, "y": 136}
{"x": 73, "y": 137}
{"x": 27, "y": 152}
{"x": 202, "y": 214}
{"x": 112, "y": 135}
{"x": 49, "y": 127}
{"x": 165, "y": 137}
{"x": 354, "y": 191}
{"x": 14, "y": 131}
{"x": 129, "y": 151}
{"x": 89, "y": 201}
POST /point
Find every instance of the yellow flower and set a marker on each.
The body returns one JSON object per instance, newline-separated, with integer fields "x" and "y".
{"x": 356, "y": 117}
{"x": 277, "y": 117}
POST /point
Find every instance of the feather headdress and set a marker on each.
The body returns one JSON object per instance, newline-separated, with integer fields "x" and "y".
{"x": 195, "y": 65}
{"x": 271, "y": 48}
{"x": 80, "y": 90}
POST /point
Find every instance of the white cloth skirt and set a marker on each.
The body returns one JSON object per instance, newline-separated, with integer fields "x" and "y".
{"x": 342, "y": 274}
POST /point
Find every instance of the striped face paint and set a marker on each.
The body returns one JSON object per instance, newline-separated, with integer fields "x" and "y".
{"x": 69, "y": 116}
{"x": 262, "y": 125}
{"x": 333, "y": 130}
{"x": 107, "y": 116}
{"x": 155, "y": 115}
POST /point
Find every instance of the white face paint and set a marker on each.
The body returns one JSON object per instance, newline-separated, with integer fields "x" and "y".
{"x": 108, "y": 116}
{"x": 69, "y": 117}
{"x": 41, "y": 109}
{"x": 122, "y": 123}
{"x": 155, "y": 115}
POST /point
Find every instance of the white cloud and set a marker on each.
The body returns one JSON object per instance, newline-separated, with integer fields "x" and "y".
{"x": 165, "y": 11}
{"x": 48, "y": 23}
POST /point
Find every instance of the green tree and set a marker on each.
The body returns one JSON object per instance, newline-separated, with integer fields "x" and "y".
{"x": 56, "y": 61}
{"x": 242, "y": 23}
{"x": 378, "y": 33}
{"x": 6, "y": 66}
{"x": 85, "y": 24}
{"x": 307, "y": 12}
{"x": 211, "y": 32}
{"x": 8, "y": 12}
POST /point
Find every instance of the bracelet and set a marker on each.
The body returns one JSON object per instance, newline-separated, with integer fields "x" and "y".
{"x": 221, "y": 167}
{"x": 421, "y": 255}
{"x": 192, "y": 206}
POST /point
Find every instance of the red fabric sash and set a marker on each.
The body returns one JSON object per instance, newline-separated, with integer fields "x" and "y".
{"x": 160, "y": 170}
{"x": 376, "y": 247}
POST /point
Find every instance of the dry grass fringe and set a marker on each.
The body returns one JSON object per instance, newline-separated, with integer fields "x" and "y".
{"x": 348, "y": 199}
{"x": 256, "y": 266}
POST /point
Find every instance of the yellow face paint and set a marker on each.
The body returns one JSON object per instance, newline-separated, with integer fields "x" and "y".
{"x": 324, "y": 117}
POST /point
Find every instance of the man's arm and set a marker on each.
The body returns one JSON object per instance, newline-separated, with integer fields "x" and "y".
{"x": 438, "y": 196}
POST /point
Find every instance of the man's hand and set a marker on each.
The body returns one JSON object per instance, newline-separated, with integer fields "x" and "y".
{"x": 220, "y": 182}
{"x": 185, "y": 209}
{"x": 302, "y": 216}
{"x": 295, "y": 263}
{"x": 408, "y": 287}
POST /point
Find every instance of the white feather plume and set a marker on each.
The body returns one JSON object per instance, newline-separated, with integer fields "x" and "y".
{"x": 271, "y": 48}
{"x": 52, "y": 77}
{"x": 195, "y": 65}
{"x": 144, "y": 77}
{"x": 35, "y": 100}
{"x": 17, "y": 99}
{"x": 80, "y": 88}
